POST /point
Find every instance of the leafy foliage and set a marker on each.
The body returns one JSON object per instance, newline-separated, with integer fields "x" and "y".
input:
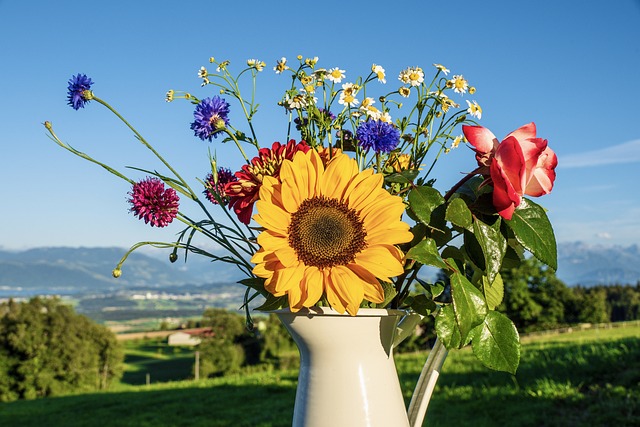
{"x": 46, "y": 349}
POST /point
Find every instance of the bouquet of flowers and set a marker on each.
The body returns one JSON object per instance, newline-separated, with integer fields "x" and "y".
{"x": 344, "y": 213}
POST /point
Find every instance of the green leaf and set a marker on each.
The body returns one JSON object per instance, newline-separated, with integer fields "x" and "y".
{"x": 496, "y": 343}
{"x": 469, "y": 306}
{"x": 274, "y": 303}
{"x": 493, "y": 246}
{"x": 256, "y": 283}
{"x": 493, "y": 292}
{"x": 438, "y": 229}
{"x": 423, "y": 200}
{"x": 404, "y": 177}
{"x": 533, "y": 230}
{"x": 447, "y": 328}
{"x": 426, "y": 252}
{"x": 458, "y": 213}
{"x": 421, "y": 304}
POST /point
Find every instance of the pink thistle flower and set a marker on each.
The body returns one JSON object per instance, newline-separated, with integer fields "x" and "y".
{"x": 243, "y": 193}
{"x": 154, "y": 203}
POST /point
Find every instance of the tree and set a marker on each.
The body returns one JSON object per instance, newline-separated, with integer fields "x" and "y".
{"x": 46, "y": 349}
{"x": 226, "y": 349}
{"x": 534, "y": 298}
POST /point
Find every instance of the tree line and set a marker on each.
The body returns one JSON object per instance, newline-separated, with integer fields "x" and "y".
{"x": 535, "y": 299}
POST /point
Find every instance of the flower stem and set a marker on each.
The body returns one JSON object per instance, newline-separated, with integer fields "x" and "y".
{"x": 145, "y": 143}
{"x": 460, "y": 183}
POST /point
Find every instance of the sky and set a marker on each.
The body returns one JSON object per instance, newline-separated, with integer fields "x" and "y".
{"x": 572, "y": 67}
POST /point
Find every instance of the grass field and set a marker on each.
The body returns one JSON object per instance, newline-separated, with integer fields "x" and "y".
{"x": 588, "y": 378}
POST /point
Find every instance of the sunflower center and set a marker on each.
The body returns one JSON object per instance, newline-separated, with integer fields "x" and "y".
{"x": 326, "y": 232}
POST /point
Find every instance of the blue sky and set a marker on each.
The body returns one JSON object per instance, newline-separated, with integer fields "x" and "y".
{"x": 572, "y": 67}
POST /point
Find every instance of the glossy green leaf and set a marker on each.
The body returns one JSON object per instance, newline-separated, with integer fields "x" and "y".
{"x": 493, "y": 292}
{"x": 404, "y": 177}
{"x": 447, "y": 328}
{"x": 458, "y": 213}
{"x": 423, "y": 305}
{"x": 423, "y": 200}
{"x": 493, "y": 246}
{"x": 496, "y": 343}
{"x": 533, "y": 230}
{"x": 438, "y": 229}
{"x": 469, "y": 306}
{"x": 426, "y": 252}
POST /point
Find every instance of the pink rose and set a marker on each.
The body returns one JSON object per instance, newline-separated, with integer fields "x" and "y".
{"x": 520, "y": 164}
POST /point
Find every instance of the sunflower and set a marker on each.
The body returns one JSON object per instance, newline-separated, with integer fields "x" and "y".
{"x": 328, "y": 232}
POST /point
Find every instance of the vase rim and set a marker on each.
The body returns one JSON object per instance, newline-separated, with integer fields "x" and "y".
{"x": 328, "y": 311}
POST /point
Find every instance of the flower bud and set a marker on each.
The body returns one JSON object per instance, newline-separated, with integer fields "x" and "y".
{"x": 472, "y": 90}
{"x": 48, "y": 125}
{"x": 116, "y": 272}
{"x": 219, "y": 124}
{"x": 173, "y": 257}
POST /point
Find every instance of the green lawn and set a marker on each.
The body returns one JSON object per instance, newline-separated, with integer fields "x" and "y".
{"x": 589, "y": 378}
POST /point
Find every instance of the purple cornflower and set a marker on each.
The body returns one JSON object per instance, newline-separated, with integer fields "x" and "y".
{"x": 154, "y": 203}
{"x": 381, "y": 136}
{"x": 76, "y": 96}
{"x": 327, "y": 114}
{"x": 211, "y": 186}
{"x": 211, "y": 116}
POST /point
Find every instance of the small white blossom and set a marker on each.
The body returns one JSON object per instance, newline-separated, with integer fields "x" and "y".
{"x": 348, "y": 95}
{"x": 254, "y": 63}
{"x": 281, "y": 65}
{"x": 379, "y": 72}
{"x": 297, "y": 102}
{"x": 335, "y": 75}
{"x": 413, "y": 76}
{"x": 474, "y": 109}
{"x": 442, "y": 68}
{"x": 459, "y": 84}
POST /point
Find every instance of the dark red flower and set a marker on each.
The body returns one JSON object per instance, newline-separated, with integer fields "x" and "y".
{"x": 244, "y": 192}
{"x": 216, "y": 185}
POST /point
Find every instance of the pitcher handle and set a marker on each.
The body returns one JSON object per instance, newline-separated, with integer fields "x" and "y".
{"x": 406, "y": 327}
{"x": 426, "y": 384}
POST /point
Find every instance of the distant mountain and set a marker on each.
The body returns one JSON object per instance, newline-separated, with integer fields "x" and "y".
{"x": 68, "y": 271}
{"x": 588, "y": 265}
{"x": 62, "y": 270}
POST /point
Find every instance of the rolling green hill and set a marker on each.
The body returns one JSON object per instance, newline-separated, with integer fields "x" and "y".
{"x": 575, "y": 379}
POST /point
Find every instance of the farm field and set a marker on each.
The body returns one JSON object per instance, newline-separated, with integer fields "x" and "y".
{"x": 583, "y": 378}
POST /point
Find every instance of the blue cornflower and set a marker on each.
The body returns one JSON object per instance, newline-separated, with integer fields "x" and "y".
{"x": 76, "y": 95}
{"x": 381, "y": 136}
{"x": 211, "y": 116}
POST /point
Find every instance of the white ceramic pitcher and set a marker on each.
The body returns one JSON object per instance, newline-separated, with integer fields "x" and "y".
{"x": 347, "y": 372}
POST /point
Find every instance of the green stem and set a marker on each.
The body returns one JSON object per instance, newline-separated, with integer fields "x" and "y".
{"x": 146, "y": 144}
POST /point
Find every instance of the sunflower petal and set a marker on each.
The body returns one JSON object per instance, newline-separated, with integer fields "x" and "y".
{"x": 381, "y": 260}
{"x": 288, "y": 277}
{"x": 373, "y": 290}
{"x": 272, "y": 217}
{"x": 270, "y": 240}
{"x": 349, "y": 286}
{"x": 337, "y": 176}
